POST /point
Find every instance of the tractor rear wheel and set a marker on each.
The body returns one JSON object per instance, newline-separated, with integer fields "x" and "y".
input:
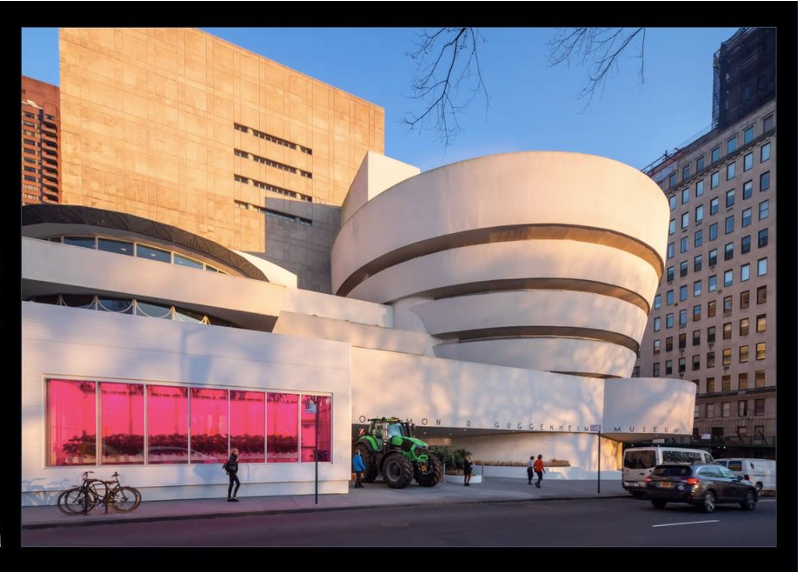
{"x": 434, "y": 473}
{"x": 371, "y": 472}
{"x": 397, "y": 471}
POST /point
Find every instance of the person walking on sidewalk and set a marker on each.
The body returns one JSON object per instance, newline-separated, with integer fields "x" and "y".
{"x": 231, "y": 467}
{"x": 359, "y": 466}
{"x": 538, "y": 466}
{"x": 467, "y": 471}
{"x": 530, "y": 470}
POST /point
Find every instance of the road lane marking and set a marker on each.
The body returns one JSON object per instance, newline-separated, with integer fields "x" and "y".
{"x": 681, "y": 523}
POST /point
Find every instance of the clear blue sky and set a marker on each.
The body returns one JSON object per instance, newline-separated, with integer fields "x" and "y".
{"x": 532, "y": 107}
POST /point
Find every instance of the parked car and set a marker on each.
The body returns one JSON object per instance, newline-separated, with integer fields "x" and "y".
{"x": 702, "y": 485}
{"x": 638, "y": 462}
{"x": 761, "y": 472}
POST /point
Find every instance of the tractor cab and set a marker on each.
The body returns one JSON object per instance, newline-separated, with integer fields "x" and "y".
{"x": 383, "y": 429}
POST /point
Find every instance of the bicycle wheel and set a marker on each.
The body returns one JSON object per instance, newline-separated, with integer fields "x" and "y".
{"x": 125, "y": 499}
{"x": 76, "y": 501}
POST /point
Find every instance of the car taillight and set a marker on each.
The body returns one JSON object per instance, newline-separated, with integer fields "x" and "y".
{"x": 648, "y": 479}
{"x": 692, "y": 481}
{"x": 747, "y": 477}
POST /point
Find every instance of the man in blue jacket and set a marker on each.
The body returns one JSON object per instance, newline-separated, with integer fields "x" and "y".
{"x": 359, "y": 466}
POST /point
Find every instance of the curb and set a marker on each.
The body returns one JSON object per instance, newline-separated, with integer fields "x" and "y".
{"x": 293, "y": 511}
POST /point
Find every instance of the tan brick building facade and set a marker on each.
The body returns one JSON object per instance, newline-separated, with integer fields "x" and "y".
{"x": 184, "y": 128}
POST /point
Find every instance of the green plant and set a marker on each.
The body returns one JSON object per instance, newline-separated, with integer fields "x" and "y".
{"x": 452, "y": 458}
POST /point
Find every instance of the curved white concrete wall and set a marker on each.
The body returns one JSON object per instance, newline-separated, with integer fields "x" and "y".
{"x": 570, "y": 355}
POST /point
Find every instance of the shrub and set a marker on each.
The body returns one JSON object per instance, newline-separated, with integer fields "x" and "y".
{"x": 452, "y": 458}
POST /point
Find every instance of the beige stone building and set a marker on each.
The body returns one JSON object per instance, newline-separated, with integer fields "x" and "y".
{"x": 181, "y": 127}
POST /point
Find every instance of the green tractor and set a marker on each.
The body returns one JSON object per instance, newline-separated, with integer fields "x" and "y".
{"x": 388, "y": 447}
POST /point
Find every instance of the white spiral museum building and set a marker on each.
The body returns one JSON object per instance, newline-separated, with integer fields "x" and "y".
{"x": 497, "y": 302}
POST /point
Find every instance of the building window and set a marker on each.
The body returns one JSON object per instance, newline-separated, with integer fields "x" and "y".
{"x": 761, "y": 294}
{"x": 728, "y": 276}
{"x": 712, "y": 283}
{"x": 685, "y": 219}
{"x": 725, "y": 407}
{"x": 742, "y": 383}
{"x": 727, "y": 304}
{"x": 669, "y": 274}
{"x": 669, "y": 344}
{"x": 671, "y": 250}
{"x": 167, "y": 424}
{"x": 711, "y": 309}
{"x": 698, "y": 239}
{"x": 743, "y": 354}
{"x": 682, "y": 318}
{"x": 656, "y": 347}
{"x": 748, "y": 161}
{"x": 696, "y": 337}
{"x": 760, "y": 351}
{"x": 731, "y": 145}
{"x": 710, "y": 410}
{"x": 308, "y": 419}
{"x": 767, "y": 123}
{"x": 762, "y": 267}
{"x": 697, "y": 262}
{"x": 682, "y": 292}
{"x": 696, "y": 312}
{"x": 716, "y": 154}
{"x": 655, "y": 370}
{"x": 728, "y": 251}
{"x": 685, "y": 176}
{"x": 683, "y": 269}
{"x": 713, "y": 232}
{"x": 748, "y": 188}
{"x": 636, "y": 371}
{"x": 669, "y": 298}
{"x": 672, "y": 181}
{"x": 744, "y": 299}
{"x": 699, "y": 213}
{"x": 746, "y": 219}
{"x": 122, "y": 423}
{"x": 764, "y": 153}
{"x": 744, "y": 327}
{"x": 727, "y": 356}
{"x": 730, "y": 198}
{"x": 729, "y": 227}
{"x": 682, "y": 365}
{"x": 745, "y": 244}
{"x": 684, "y": 244}
{"x": 697, "y": 411}
{"x": 668, "y": 367}
{"x": 713, "y": 206}
{"x": 153, "y": 253}
{"x": 697, "y": 288}
{"x": 764, "y": 210}
{"x": 761, "y": 323}
{"x": 759, "y": 407}
{"x": 745, "y": 272}
{"x": 657, "y": 301}
{"x": 669, "y": 320}
{"x": 710, "y": 389}
{"x": 71, "y": 423}
{"x": 696, "y": 363}
{"x": 710, "y": 359}
{"x": 657, "y": 324}
{"x": 759, "y": 381}
{"x": 282, "y": 438}
{"x": 208, "y": 425}
{"x": 731, "y": 169}
{"x": 748, "y": 135}
{"x": 762, "y": 238}
{"x": 672, "y": 202}
{"x": 714, "y": 180}
{"x": 672, "y": 226}
{"x": 248, "y": 425}
{"x": 699, "y": 186}
{"x": 727, "y": 331}
{"x": 764, "y": 181}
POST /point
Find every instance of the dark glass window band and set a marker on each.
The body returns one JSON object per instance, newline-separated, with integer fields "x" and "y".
{"x": 520, "y": 332}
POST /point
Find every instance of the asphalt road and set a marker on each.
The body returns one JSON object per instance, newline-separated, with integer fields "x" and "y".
{"x": 600, "y": 522}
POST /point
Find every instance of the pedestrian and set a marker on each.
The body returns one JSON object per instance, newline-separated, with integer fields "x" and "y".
{"x": 538, "y": 466}
{"x": 467, "y": 471}
{"x": 359, "y": 466}
{"x": 231, "y": 468}
{"x": 530, "y": 471}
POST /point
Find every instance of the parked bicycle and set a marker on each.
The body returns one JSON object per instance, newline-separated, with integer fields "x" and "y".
{"x": 94, "y": 492}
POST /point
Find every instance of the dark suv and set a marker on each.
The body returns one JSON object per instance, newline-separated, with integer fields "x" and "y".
{"x": 702, "y": 485}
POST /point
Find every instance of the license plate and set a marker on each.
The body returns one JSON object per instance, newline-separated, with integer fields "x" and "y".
{"x": 665, "y": 485}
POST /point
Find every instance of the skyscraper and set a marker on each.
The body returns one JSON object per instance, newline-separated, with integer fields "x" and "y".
{"x": 41, "y": 142}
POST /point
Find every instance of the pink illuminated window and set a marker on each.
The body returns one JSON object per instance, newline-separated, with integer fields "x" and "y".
{"x": 208, "y": 425}
{"x": 167, "y": 424}
{"x": 122, "y": 423}
{"x": 71, "y": 423}
{"x": 309, "y": 428}
{"x": 282, "y": 418}
{"x": 248, "y": 425}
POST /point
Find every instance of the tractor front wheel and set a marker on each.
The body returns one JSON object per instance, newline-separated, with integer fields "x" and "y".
{"x": 397, "y": 471}
{"x": 434, "y": 473}
{"x": 371, "y": 472}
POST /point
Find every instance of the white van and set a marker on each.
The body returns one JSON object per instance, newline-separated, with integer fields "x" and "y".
{"x": 638, "y": 462}
{"x": 761, "y": 472}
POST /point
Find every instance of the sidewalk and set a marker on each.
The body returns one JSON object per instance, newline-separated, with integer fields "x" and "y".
{"x": 374, "y": 495}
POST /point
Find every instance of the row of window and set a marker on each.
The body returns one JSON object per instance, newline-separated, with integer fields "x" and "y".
{"x": 742, "y": 411}
{"x": 696, "y": 360}
{"x": 728, "y": 252}
{"x": 129, "y": 306}
{"x": 272, "y": 138}
{"x": 712, "y": 282}
{"x": 273, "y": 188}
{"x": 34, "y": 116}
{"x": 273, "y": 213}
{"x": 768, "y": 123}
{"x": 761, "y": 326}
{"x": 764, "y": 207}
{"x": 135, "y": 249}
{"x": 274, "y": 164}
{"x": 149, "y": 424}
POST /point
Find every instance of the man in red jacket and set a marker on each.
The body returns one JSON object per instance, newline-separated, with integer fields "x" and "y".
{"x": 538, "y": 466}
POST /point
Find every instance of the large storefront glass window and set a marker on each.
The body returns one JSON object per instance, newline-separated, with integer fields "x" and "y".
{"x": 248, "y": 425}
{"x": 167, "y": 424}
{"x": 309, "y": 428}
{"x": 208, "y": 425}
{"x": 282, "y": 437}
{"x": 122, "y": 423}
{"x": 71, "y": 423}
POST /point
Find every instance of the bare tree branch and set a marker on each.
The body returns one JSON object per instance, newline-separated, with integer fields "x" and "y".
{"x": 597, "y": 48}
{"x": 439, "y": 82}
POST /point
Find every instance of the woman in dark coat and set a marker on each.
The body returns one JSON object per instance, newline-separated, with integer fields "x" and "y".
{"x": 231, "y": 466}
{"x": 467, "y": 471}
